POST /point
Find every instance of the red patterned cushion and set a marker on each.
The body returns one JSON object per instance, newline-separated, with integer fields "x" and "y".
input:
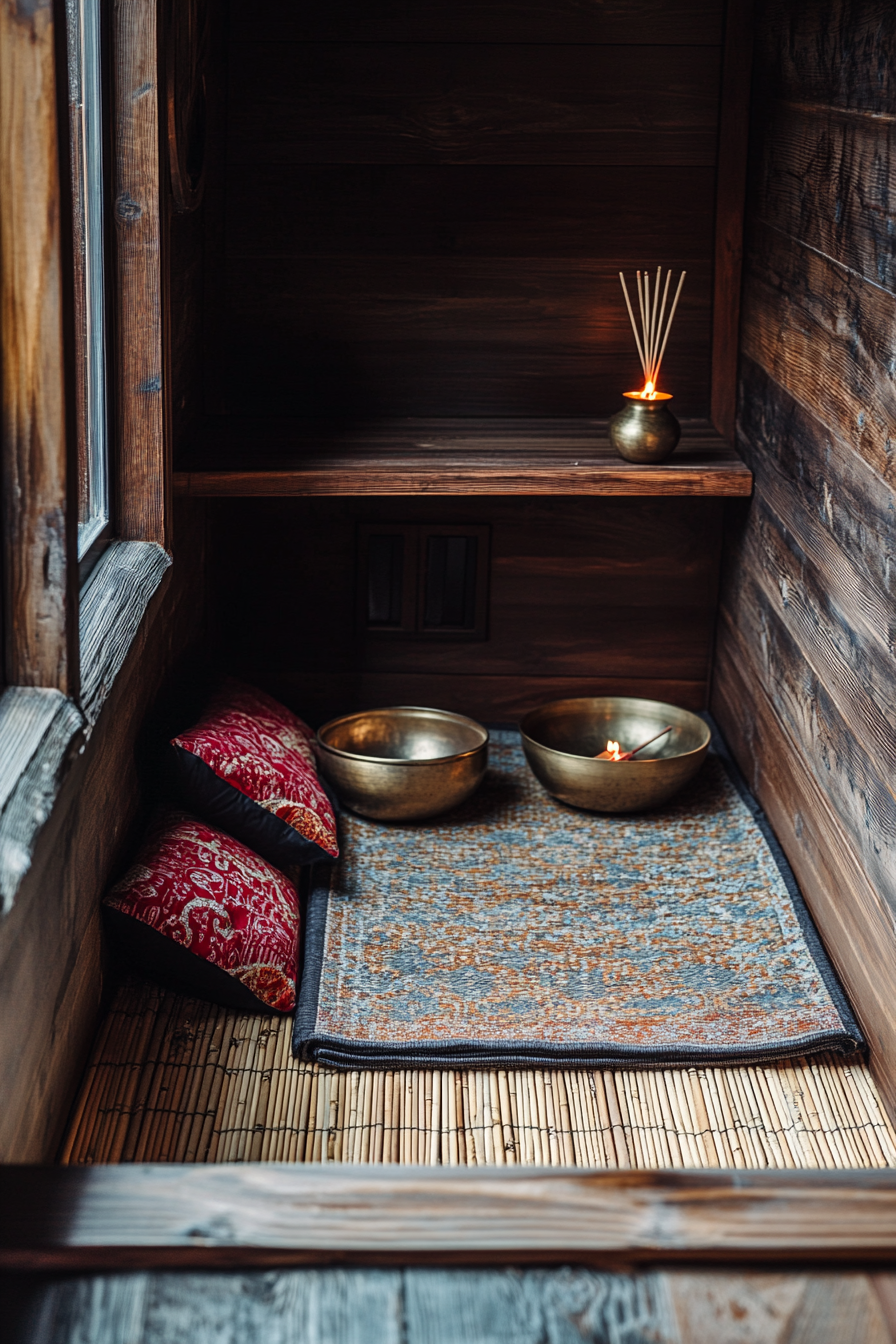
{"x": 214, "y": 898}
{"x": 248, "y": 766}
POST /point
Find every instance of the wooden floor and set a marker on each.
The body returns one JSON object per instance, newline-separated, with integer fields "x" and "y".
{"x": 173, "y": 1079}
{"x": 421, "y": 1306}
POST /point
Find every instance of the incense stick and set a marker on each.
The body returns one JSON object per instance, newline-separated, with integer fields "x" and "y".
{"x": 655, "y": 327}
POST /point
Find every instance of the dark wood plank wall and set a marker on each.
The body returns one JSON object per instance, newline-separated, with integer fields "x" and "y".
{"x": 804, "y": 682}
{"x": 587, "y": 597}
{"x": 425, "y": 207}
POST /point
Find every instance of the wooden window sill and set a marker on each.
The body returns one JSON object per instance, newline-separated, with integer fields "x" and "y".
{"x": 42, "y": 730}
{"x": 113, "y": 604}
{"x": 450, "y": 457}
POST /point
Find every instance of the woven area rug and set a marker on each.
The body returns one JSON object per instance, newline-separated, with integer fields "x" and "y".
{"x": 520, "y": 931}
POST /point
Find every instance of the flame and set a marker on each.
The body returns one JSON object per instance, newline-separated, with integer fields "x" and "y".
{"x": 612, "y": 753}
{"x": 649, "y": 392}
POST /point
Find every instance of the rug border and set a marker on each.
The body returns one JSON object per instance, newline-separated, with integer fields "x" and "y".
{"x": 344, "y": 1052}
{"x": 822, "y": 961}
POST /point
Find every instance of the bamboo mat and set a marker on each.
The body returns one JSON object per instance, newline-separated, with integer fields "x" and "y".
{"x": 172, "y": 1079}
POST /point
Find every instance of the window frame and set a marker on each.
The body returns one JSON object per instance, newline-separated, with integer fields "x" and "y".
{"x": 84, "y": 71}
{"x": 64, "y": 642}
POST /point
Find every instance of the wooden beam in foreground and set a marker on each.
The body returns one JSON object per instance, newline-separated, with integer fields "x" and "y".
{"x": 130, "y": 1217}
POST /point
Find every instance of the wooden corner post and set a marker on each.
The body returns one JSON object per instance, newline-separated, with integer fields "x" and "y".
{"x": 734, "y": 125}
{"x": 40, "y": 625}
{"x": 143, "y": 475}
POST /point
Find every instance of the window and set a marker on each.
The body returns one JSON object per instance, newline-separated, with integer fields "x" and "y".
{"x": 85, "y": 99}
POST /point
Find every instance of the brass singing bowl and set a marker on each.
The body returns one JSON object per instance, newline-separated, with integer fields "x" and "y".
{"x": 562, "y": 738}
{"x": 403, "y": 764}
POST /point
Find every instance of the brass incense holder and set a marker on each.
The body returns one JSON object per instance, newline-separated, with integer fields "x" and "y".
{"x": 645, "y": 430}
{"x": 562, "y": 739}
{"x": 403, "y": 764}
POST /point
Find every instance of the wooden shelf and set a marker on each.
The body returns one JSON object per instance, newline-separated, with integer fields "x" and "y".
{"x": 450, "y": 457}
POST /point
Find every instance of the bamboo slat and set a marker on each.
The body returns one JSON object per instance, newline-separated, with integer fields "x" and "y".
{"x": 173, "y": 1079}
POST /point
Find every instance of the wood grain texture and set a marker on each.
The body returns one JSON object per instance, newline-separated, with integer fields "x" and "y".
{"x": 356, "y": 337}
{"x": 183, "y": 277}
{"x": 833, "y": 686}
{"x": 529, "y": 1306}
{"x": 424, "y": 1306}
{"x": 639, "y": 22}
{"x": 434, "y": 102}
{"x": 40, "y": 729}
{"x": 582, "y": 593}
{"x": 242, "y": 1215}
{"x": 717, "y": 1308}
{"x": 324, "y": 695}
{"x": 447, "y": 457}
{"x": 143, "y": 478}
{"x": 807, "y": 639}
{"x": 827, "y": 179}
{"x": 112, "y": 607}
{"x": 827, "y": 336}
{"x": 838, "y": 54}
{"x": 734, "y": 118}
{"x": 385, "y": 175}
{"x": 471, "y": 210}
{"x": 839, "y": 508}
{"x": 37, "y": 531}
{"x": 51, "y": 976}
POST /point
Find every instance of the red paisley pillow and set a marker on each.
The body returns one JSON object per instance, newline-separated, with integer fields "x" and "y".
{"x": 200, "y": 908}
{"x": 248, "y": 767}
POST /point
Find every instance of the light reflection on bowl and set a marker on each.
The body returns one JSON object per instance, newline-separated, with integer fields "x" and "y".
{"x": 404, "y": 763}
{"x": 562, "y": 738}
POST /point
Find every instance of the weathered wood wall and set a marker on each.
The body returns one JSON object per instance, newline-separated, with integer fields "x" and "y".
{"x": 805, "y": 682}
{"x": 424, "y": 1306}
{"x": 425, "y": 208}
{"x": 51, "y": 973}
{"x": 587, "y": 597}
{"x": 40, "y": 606}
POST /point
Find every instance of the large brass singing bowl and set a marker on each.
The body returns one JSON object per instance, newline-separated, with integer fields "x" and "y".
{"x": 403, "y": 764}
{"x": 561, "y": 739}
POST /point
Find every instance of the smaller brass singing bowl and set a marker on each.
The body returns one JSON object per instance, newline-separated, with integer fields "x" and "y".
{"x": 562, "y": 738}
{"x": 403, "y": 764}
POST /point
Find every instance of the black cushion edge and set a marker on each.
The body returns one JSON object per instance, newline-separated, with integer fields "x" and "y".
{"x": 206, "y": 795}
{"x": 163, "y": 959}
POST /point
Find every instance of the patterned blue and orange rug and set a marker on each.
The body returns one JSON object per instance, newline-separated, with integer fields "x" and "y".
{"x": 517, "y": 931}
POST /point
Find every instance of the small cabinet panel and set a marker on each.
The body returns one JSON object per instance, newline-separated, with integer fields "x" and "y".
{"x": 427, "y": 581}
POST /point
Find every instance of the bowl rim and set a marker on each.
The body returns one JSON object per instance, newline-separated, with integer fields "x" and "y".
{"x": 631, "y": 699}
{"x": 399, "y": 760}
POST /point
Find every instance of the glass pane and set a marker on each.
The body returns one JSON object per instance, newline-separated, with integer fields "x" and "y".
{"x": 83, "y": 24}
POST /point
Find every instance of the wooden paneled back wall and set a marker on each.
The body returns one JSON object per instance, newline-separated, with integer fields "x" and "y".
{"x": 805, "y": 679}
{"x": 426, "y": 205}
{"x": 585, "y": 597}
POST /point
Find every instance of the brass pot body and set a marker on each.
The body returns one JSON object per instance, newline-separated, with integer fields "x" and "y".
{"x": 645, "y": 431}
{"x": 403, "y": 764}
{"x": 561, "y": 739}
